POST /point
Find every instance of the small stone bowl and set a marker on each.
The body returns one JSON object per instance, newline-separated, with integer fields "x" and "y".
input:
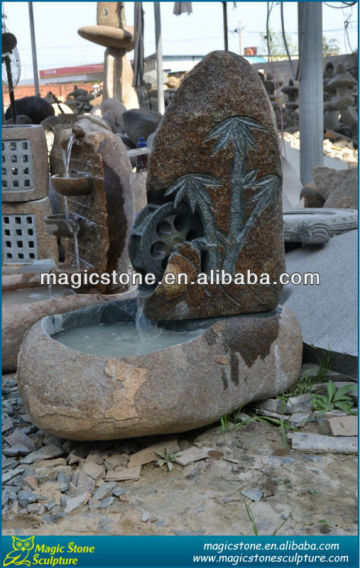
{"x": 72, "y": 185}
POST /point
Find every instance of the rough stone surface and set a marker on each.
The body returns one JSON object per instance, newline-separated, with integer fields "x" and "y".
{"x": 185, "y": 386}
{"x": 18, "y": 319}
{"x": 316, "y": 226}
{"x": 216, "y": 149}
{"x": 339, "y": 188}
{"x": 328, "y": 312}
{"x": 118, "y": 78}
{"x": 112, "y": 111}
{"x": 311, "y": 196}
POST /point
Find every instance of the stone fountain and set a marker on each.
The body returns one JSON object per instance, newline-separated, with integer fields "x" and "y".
{"x": 94, "y": 178}
{"x": 112, "y": 32}
{"x": 214, "y": 189}
{"x": 94, "y": 229}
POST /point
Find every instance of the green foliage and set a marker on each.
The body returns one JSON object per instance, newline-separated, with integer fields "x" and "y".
{"x": 333, "y": 398}
{"x": 251, "y": 519}
{"x": 166, "y": 459}
{"x": 230, "y": 422}
{"x": 308, "y": 379}
{"x": 330, "y": 47}
{"x": 277, "y": 46}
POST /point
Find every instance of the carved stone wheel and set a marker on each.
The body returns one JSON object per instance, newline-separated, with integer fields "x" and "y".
{"x": 156, "y": 231}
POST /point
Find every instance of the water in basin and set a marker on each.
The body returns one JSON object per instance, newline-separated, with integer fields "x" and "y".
{"x": 30, "y": 295}
{"x": 122, "y": 339}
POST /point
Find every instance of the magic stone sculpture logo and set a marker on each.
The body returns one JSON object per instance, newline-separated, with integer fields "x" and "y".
{"x": 19, "y": 555}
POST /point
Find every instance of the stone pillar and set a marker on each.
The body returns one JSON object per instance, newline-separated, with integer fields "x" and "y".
{"x": 118, "y": 78}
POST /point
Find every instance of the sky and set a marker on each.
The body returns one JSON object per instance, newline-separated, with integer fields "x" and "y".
{"x": 59, "y": 45}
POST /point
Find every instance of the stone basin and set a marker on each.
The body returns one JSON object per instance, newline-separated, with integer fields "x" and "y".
{"x": 18, "y": 317}
{"x": 82, "y": 396}
{"x": 72, "y": 185}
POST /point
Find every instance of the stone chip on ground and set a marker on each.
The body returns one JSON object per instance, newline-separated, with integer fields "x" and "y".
{"x": 253, "y": 494}
{"x": 343, "y": 425}
{"x": 8, "y": 475}
{"x": 192, "y": 455}
{"x": 94, "y": 470}
{"x": 148, "y": 455}
{"x": 124, "y": 474}
{"x": 319, "y": 443}
{"x": 75, "y": 502}
{"x": 46, "y": 452}
{"x": 18, "y": 437}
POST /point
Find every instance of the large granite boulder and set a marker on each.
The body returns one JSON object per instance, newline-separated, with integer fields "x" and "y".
{"x": 83, "y": 396}
{"x": 216, "y": 152}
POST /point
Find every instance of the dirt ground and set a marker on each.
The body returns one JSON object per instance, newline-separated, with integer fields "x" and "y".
{"x": 287, "y": 491}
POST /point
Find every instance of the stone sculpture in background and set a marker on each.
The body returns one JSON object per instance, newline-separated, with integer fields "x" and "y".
{"x": 340, "y": 112}
{"x": 79, "y": 100}
{"x": 112, "y": 32}
{"x": 291, "y": 91}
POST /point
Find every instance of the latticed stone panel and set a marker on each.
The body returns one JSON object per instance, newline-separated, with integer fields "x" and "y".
{"x": 17, "y": 167}
{"x": 19, "y": 239}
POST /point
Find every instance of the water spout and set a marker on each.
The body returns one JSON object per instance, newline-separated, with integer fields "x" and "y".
{"x": 67, "y": 169}
{"x": 68, "y": 154}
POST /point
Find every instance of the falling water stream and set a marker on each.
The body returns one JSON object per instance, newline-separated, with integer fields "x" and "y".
{"x": 68, "y": 154}
{"x": 66, "y": 203}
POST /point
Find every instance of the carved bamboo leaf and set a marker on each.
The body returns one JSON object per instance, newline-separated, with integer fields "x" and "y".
{"x": 249, "y": 178}
{"x": 179, "y": 196}
{"x": 269, "y": 186}
{"x": 235, "y": 130}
